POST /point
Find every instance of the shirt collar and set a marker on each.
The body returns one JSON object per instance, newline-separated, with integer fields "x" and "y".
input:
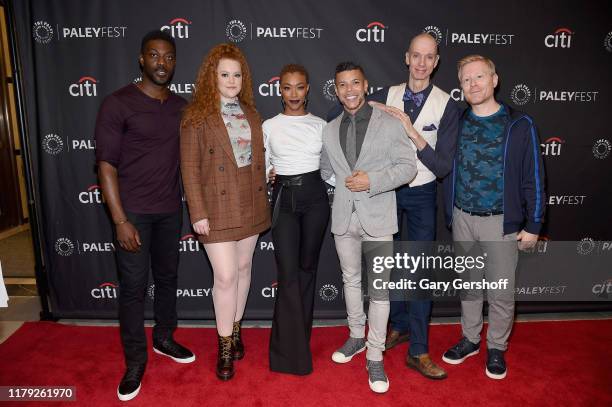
{"x": 363, "y": 113}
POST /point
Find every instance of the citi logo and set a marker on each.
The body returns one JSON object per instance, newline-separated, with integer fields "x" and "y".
{"x": 105, "y": 290}
{"x": 457, "y": 95}
{"x": 189, "y": 243}
{"x": 552, "y": 146}
{"x": 271, "y": 88}
{"x": 561, "y": 38}
{"x": 86, "y": 86}
{"x": 374, "y": 32}
{"x": 93, "y": 195}
{"x": 177, "y": 28}
{"x": 269, "y": 292}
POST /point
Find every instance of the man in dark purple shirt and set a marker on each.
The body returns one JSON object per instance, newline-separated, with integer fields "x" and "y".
{"x": 137, "y": 150}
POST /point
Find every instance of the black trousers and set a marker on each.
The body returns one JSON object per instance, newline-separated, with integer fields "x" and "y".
{"x": 159, "y": 234}
{"x": 297, "y": 235}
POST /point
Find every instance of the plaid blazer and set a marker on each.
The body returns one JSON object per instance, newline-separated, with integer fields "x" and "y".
{"x": 210, "y": 173}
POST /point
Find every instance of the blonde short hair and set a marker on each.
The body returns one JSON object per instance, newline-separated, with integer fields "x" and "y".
{"x": 474, "y": 58}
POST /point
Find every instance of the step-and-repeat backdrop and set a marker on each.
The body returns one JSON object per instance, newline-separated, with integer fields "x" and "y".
{"x": 554, "y": 61}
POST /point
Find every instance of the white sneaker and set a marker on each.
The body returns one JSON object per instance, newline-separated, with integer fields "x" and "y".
{"x": 378, "y": 380}
{"x": 351, "y": 347}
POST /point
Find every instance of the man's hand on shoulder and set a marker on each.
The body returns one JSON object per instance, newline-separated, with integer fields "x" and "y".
{"x": 404, "y": 119}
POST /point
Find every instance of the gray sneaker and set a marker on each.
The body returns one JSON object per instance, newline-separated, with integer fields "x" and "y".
{"x": 351, "y": 347}
{"x": 378, "y": 380}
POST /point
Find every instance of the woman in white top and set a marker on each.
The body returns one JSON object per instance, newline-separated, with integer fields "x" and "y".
{"x": 293, "y": 142}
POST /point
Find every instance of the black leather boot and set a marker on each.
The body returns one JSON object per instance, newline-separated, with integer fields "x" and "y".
{"x": 237, "y": 341}
{"x": 225, "y": 358}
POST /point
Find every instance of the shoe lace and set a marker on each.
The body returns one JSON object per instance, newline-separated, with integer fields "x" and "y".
{"x": 236, "y": 332}
{"x": 226, "y": 348}
{"x": 377, "y": 372}
{"x": 350, "y": 346}
{"x": 462, "y": 345}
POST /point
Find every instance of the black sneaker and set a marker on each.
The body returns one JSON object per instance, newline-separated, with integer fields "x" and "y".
{"x": 130, "y": 383}
{"x": 461, "y": 351}
{"x": 177, "y": 352}
{"x": 496, "y": 365}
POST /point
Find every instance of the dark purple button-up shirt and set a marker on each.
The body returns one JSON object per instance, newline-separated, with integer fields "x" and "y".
{"x": 139, "y": 136}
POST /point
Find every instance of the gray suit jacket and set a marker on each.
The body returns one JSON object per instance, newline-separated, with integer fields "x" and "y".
{"x": 390, "y": 162}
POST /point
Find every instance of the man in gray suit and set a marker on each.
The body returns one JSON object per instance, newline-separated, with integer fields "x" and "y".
{"x": 368, "y": 153}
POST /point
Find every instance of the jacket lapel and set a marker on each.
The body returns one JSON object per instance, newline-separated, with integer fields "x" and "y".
{"x": 220, "y": 131}
{"x": 370, "y": 136}
{"x": 335, "y": 142}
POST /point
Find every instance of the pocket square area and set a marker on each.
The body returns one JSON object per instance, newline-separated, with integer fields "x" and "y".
{"x": 430, "y": 127}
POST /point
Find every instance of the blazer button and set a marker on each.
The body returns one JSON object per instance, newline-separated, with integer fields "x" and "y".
{"x": 259, "y": 167}
{"x": 221, "y": 168}
{"x": 260, "y": 189}
{"x": 211, "y": 151}
{"x": 223, "y": 192}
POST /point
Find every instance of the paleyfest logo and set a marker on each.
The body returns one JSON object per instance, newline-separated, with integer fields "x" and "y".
{"x": 235, "y": 31}
{"x": 52, "y": 144}
{"x": 329, "y": 90}
{"x": 42, "y": 32}
{"x": 521, "y": 94}
{"x": 434, "y": 32}
{"x": 64, "y": 246}
{"x": 328, "y": 292}
{"x": 608, "y": 42}
{"x": 177, "y": 28}
{"x": 602, "y": 148}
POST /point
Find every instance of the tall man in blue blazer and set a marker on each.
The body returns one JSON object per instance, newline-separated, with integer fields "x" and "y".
{"x": 368, "y": 153}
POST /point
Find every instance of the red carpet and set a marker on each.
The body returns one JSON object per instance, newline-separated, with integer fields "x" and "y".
{"x": 549, "y": 364}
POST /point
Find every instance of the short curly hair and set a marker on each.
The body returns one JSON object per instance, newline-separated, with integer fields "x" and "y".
{"x": 206, "y": 98}
{"x": 294, "y": 68}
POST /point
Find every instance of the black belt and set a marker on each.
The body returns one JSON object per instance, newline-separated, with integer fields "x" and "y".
{"x": 292, "y": 181}
{"x": 488, "y": 213}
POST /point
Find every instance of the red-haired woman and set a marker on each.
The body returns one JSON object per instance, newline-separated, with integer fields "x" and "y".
{"x": 301, "y": 212}
{"x": 223, "y": 169}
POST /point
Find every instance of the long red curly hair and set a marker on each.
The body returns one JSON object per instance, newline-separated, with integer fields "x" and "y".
{"x": 206, "y": 98}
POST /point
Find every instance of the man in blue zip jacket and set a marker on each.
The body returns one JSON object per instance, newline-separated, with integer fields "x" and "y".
{"x": 495, "y": 197}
